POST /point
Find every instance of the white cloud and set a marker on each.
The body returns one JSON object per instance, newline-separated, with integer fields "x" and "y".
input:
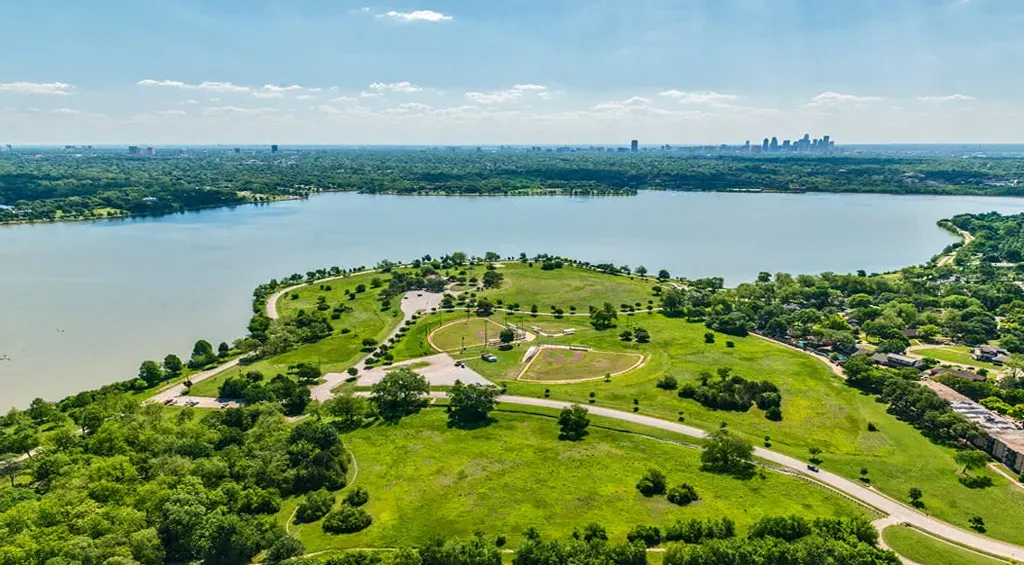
{"x": 833, "y": 98}
{"x": 191, "y": 101}
{"x": 413, "y": 106}
{"x": 342, "y": 99}
{"x": 226, "y": 110}
{"x": 950, "y": 98}
{"x": 515, "y": 93}
{"x": 66, "y": 111}
{"x": 634, "y": 102}
{"x": 58, "y": 88}
{"x": 416, "y": 16}
{"x": 213, "y": 86}
{"x": 305, "y": 97}
{"x": 369, "y": 94}
{"x": 268, "y": 94}
{"x": 404, "y": 87}
{"x": 696, "y": 97}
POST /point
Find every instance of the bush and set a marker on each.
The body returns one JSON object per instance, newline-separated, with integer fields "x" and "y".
{"x": 357, "y": 497}
{"x": 697, "y": 530}
{"x": 668, "y": 382}
{"x": 284, "y": 548}
{"x": 648, "y": 535}
{"x": 682, "y": 494}
{"x": 652, "y": 483}
{"x": 314, "y": 506}
{"x": 975, "y": 481}
{"x": 347, "y": 520}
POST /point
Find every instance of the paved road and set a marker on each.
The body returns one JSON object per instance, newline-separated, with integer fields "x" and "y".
{"x": 898, "y": 512}
{"x": 440, "y": 371}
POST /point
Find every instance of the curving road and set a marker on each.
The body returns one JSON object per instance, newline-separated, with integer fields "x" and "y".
{"x": 897, "y": 511}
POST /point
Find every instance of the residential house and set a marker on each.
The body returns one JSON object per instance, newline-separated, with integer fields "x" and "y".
{"x": 896, "y": 361}
{"x": 941, "y": 371}
{"x": 991, "y": 354}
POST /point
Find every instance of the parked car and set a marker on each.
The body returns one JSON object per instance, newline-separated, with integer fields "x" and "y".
{"x": 812, "y": 468}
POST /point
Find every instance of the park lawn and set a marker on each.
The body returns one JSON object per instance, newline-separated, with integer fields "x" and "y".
{"x": 568, "y": 286}
{"x": 334, "y": 354}
{"x": 552, "y": 325}
{"x": 308, "y": 294}
{"x": 955, "y": 354}
{"x": 818, "y": 410}
{"x": 426, "y": 479}
{"x": 926, "y": 550}
{"x": 551, "y": 364}
{"x": 469, "y": 332}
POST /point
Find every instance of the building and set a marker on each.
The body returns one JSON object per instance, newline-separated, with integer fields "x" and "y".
{"x": 991, "y": 354}
{"x": 895, "y": 361}
{"x": 273, "y": 148}
{"x": 150, "y": 151}
{"x": 634, "y": 146}
{"x": 133, "y": 149}
{"x": 943, "y": 371}
{"x": 237, "y": 150}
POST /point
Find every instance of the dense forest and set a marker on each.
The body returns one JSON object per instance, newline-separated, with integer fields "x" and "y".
{"x": 52, "y": 184}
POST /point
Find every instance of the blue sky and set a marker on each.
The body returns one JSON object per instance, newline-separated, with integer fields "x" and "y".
{"x": 516, "y": 71}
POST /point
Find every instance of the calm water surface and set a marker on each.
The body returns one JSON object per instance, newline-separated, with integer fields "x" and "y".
{"x": 83, "y": 304}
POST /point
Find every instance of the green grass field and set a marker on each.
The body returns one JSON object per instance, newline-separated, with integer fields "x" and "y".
{"x": 469, "y": 332}
{"x": 926, "y": 550}
{"x": 954, "y": 354}
{"x": 552, "y": 364}
{"x": 819, "y": 410}
{"x": 425, "y": 478}
{"x": 567, "y": 287}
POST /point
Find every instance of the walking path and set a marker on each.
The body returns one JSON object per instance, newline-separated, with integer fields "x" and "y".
{"x": 948, "y": 258}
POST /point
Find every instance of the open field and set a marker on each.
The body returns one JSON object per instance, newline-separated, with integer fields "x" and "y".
{"x": 309, "y": 294}
{"x": 565, "y": 287}
{"x": 954, "y": 354}
{"x": 558, "y": 364}
{"x": 425, "y": 478}
{"x": 470, "y": 332}
{"x": 926, "y": 550}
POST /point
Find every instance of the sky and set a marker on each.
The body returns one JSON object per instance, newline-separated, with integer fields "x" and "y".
{"x": 510, "y": 72}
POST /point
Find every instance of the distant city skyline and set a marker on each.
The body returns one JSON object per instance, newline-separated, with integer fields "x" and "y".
{"x": 457, "y": 72}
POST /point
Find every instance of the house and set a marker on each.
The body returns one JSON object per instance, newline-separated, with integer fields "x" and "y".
{"x": 991, "y": 354}
{"x": 942, "y": 371}
{"x": 895, "y": 361}
{"x": 911, "y": 333}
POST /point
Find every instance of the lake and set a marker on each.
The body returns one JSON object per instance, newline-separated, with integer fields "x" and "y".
{"x": 84, "y": 303}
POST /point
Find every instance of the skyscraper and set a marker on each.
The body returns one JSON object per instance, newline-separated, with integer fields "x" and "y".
{"x": 774, "y": 144}
{"x": 273, "y": 148}
{"x": 764, "y": 144}
{"x": 133, "y": 149}
{"x": 634, "y": 146}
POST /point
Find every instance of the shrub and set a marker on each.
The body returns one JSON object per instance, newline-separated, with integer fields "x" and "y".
{"x": 696, "y": 530}
{"x": 500, "y": 541}
{"x": 314, "y": 506}
{"x": 975, "y": 481}
{"x": 284, "y": 548}
{"x": 668, "y": 382}
{"x": 648, "y": 535}
{"x": 872, "y": 427}
{"x": 682, "y": 494}
{"x": 357, "y": 497}
{"x": 652, "y": 483}
{"x": 347, "y": 520}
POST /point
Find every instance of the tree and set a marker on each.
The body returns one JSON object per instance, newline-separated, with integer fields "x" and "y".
{"x": 348, "y": 408}
{"x": 492, "y": 279}
{"x": 682, "y": 494}
{"x": 314, "y": 506}
{"x": 915, "y": 495}
{"x": 484, "y": 307}
{"x": 814, "y": 451}
{"x": 709, "y": 337}
{"x": 971, "y": 459}
{"x": 357, "y": 497}
{"x": 726, "y": 453}
{"x": 641, "y": 270}
{"x": 399, "y": 393}
{"x": 573, "y": 421}
{"x": 347, "y": 520}
{"x": 305, "y": 371}
{"x": 977, "y": 523}
{"x": 663, "y": 275}
{"x": 12, "y": 467}
{"x": 652, "y": 483}
{"x": 150, "y": 372}
{"x": 173, "y": 365}
{"x": 594, "y": 531}
{"x": 223, "y": 350}
{"x": 202, "y": 354}
{"x": 641, "y": 335}
{"x": 507, "y": 336}
{"x": 285, "y": 548}
{"x": 471, "y": 405}
{"x": 603, "y": 317}
{"x": 673, "y": 303}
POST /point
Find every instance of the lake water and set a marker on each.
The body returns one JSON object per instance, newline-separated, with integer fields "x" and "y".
{"x": 84, "y": 303}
